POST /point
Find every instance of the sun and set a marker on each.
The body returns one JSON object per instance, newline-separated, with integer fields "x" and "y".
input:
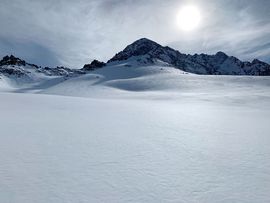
{"x": 189, "y": 18}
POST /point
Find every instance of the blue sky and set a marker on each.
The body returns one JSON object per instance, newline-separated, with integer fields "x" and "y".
{"x": 72, "y": 33}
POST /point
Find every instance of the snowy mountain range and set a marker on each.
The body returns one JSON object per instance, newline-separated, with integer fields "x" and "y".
{"x": 218, "y": 64}
{"x": 145, "y": 52}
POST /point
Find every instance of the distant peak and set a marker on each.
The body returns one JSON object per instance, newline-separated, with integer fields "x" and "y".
{"x": 95, "y": 64}
{"x": 221, "y": 54}
{"x": 257, "y": 61}
{"x": 144, "y": 40}
{"x": 12, "y": 60}
{"x": 138, "y": 48}
{"x": 11, "y": 57}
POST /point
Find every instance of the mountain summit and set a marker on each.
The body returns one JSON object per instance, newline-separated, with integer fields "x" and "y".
{"x": 138, "y": 48}
{"x": 12, "y": 60}
{"x": 218, "y": 64}
{"x": 148, "y": 48}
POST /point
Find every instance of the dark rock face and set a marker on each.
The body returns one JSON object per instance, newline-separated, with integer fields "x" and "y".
{"x": 218, "y": 64}
{"x": 12, "y": 60}
{"x": 11, "y": 65}
{"x": 13, "y": 71}
{"x": 140, "y": 47}
{"x": 94, "y": 65}
{"x": 61, "y": 71}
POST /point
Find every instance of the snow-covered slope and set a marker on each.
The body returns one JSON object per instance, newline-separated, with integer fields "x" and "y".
{"x": 202, "y": 146}
{"x": 129, "y": 133}
{"x": 120, "y": 77}
{"x": 218, "y": 64}
{"x": 129, "y": 78}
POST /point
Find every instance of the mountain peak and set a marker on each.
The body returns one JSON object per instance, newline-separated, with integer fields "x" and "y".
{"x": 143, "y": 41}
{"x": 221, "y": 54}
{"x": 12, "y": 60}
{"x": 95, "y": 64}
{"x": 257, "y": 61}
{"x": 138, "y": 48}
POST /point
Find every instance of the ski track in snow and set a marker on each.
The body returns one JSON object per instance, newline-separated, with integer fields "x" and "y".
{"x": 137, "y": 135}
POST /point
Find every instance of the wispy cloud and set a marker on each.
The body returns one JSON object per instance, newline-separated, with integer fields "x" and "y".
{"x": 72, "y": 33}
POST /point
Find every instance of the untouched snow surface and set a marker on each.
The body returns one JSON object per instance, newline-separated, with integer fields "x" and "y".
{"x": 147, "y": 134}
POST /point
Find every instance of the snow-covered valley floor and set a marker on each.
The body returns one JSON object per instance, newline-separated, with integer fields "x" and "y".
{"x": 137, "y": 139}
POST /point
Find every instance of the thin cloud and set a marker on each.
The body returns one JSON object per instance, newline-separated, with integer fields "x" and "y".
{"x": 75, "y": 32}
